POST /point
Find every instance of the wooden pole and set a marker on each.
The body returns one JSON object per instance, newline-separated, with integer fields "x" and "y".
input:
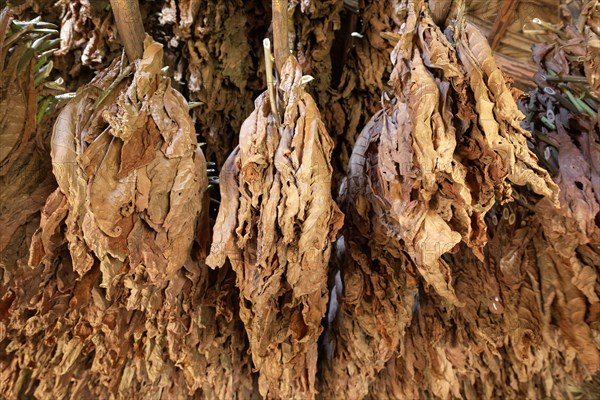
{"x": 439, "y": 10}
{"x": 501, "y": 23}
{"x": 281, "y": 42}
{"x": 130, "y": 26}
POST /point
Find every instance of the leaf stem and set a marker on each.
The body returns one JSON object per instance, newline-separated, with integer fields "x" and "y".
{"x": 270, "y": 85}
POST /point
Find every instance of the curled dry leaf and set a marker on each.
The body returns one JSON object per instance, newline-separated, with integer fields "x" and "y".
{"x": 423, "y": 175}
{"x": 211, "y": 48}
{"x": 276, "y": 224}
{"x": 87, "y": 32}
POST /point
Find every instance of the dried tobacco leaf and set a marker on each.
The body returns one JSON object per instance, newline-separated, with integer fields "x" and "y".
{"x": 128, "y": 311}
{"x": 423, "y": 174}
{"x": 89, "y": 40}
{"x": 527, "y": 328}
{"x": 276, "y": 224}
{"x": 66, "y": 330}
{"x": 438, "y": 176}
{"x": 134, "y": 179}
{"x": 75, "y": 32}
{"x": 562, "y": 114}
{"x": 351, "y": 78}
{"x": 562, "y": 117}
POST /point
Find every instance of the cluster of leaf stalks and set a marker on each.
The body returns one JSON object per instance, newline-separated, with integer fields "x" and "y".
{"x": 567, "y": 90}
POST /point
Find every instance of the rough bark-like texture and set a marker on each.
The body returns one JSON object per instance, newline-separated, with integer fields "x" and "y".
{"x": 276, "y": 224}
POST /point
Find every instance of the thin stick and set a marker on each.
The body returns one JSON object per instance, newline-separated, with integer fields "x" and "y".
{"x": 567, "y": 78}
{"x": 281, "y": 42}
{"x": 270, "y": 85}
{"x": 130, "y": 26}
{"x": 547, "y": 26}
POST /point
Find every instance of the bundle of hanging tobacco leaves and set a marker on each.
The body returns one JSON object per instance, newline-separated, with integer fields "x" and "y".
{"x": 529, "y": 326}
{"x": 340, "y": 45}
{"x": 117, "y": 301}
{"x": 424, "y": 173}
{"x": 212, "y": 47}
{"x": 276, "y": 223}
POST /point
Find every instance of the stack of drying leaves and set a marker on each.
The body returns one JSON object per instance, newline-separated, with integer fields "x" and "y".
{"x": 213, "y": 45}
{"x": 116, "y": 303}
{"x": 423, "y": 175}
{"x": 205, "y": 47}
{"x": 216, "y": 40}
{"x": 529, "y": 328}
{"x": 87, "y": 33}
{"x": 25, "y": 100}
{"x": 276, "y": 223}
{"x": 344, "y": 49}
{"x": 563, "y": 115}
{"x": 341, "y": 44}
